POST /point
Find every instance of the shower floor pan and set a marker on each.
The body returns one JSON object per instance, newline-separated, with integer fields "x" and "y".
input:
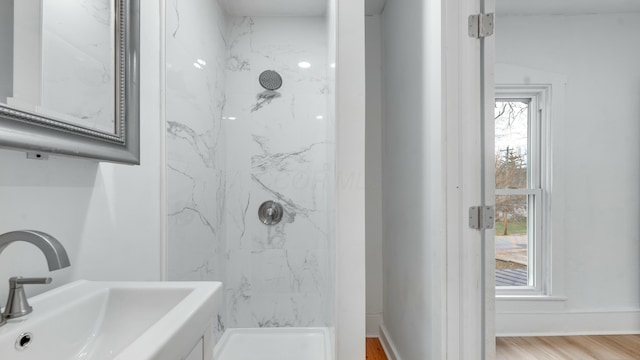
{"x": 274, "y": 344}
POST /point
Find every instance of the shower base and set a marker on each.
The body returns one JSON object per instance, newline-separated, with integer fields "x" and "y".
{"x": 274, "y": 344}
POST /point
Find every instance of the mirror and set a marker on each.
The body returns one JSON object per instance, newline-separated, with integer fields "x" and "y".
{"x": 69, "y": 79}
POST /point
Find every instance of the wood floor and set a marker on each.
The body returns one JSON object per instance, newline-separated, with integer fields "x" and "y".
{"x": 374, "y": 350}
{"x": 618, "y": 347}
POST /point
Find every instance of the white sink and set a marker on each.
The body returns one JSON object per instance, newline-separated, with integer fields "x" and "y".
{"x": 114, "y": 320}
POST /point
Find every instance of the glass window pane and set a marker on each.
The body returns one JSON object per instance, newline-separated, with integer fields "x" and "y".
{"x": 511, "y": 132}
{"x": 512, "y": 240}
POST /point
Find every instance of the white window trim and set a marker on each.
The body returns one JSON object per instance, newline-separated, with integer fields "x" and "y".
{"x": 540, "y": 157}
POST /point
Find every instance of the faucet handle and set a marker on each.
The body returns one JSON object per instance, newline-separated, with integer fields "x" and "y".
{"x": 17, "y": 304}
{"x": 17, "y": 281}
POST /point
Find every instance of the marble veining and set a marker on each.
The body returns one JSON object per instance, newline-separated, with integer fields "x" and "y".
{"x": 238, "y": 30}
{"x": 100, "y": 10}
{"x": 176, "y": 18}
{"x": 235, "y": 63}
{"x": 201, "y": 144}
{"x": 278, "y": 161}
{"x": 278, "y": 275}
{"x": 195, "y": 142}
{"x": 265, "y": 98}
{"x": 232, "y": 145}
{"x": 291, "y": 207}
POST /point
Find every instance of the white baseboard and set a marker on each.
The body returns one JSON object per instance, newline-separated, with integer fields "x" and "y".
{"x": 568, "y": 323}
{"x": 373, "y": 325}
{"x": 387, "y": 344}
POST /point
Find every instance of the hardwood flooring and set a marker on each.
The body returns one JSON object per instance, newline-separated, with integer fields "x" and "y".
{"x": 614, "y": 347}
{"x": 374, "y": 350}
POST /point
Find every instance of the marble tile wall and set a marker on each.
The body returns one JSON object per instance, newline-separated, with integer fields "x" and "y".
{"x": 278, "y": 149}
{"x": 196, "y": 155}
{"x": 233, "y": 145}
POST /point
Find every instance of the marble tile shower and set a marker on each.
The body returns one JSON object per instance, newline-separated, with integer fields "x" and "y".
{"x": 278, "y": 275}
{"x": 196, "y": 155}
{"x": 233, "y": 145}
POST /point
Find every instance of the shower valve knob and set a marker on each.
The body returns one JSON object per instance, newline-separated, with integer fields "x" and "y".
{"x": 270, "y": 213}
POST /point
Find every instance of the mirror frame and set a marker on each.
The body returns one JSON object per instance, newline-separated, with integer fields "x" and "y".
{"x": 31, "y": 132}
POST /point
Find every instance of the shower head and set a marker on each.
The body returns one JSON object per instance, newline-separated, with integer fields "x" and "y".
{"x": 270, "y": 80}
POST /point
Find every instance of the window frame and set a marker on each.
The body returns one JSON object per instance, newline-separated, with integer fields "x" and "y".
{"x": 537, "y": 191}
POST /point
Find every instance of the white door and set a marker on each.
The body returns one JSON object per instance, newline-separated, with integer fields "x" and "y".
{"x": 469, "y": 102}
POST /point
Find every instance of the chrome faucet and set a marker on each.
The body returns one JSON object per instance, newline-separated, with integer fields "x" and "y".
{"x": 51, "y": 248}
{"x": 56, "y": 256}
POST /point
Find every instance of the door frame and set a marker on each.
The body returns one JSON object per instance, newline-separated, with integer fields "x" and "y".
{"x": 468, "y": 89}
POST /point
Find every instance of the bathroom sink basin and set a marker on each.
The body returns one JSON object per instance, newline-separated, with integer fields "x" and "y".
{"x": 113, "y": 320}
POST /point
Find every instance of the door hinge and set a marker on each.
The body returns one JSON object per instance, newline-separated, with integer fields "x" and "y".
{"x": 481, "y": 25}
{"x": 481, "y": 217}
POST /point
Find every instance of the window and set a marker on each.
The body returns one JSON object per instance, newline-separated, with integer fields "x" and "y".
{"x": 520, "y": 175}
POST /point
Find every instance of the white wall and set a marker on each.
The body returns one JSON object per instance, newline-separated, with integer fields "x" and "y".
{"x": 350, "y": 167}
{"x": 411, "y": 178}
{"x": 373, "y": 173}
{"x": 106, "y": 216}
{"x": 595, "y": 193}
{"x": 331, "y": 35}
